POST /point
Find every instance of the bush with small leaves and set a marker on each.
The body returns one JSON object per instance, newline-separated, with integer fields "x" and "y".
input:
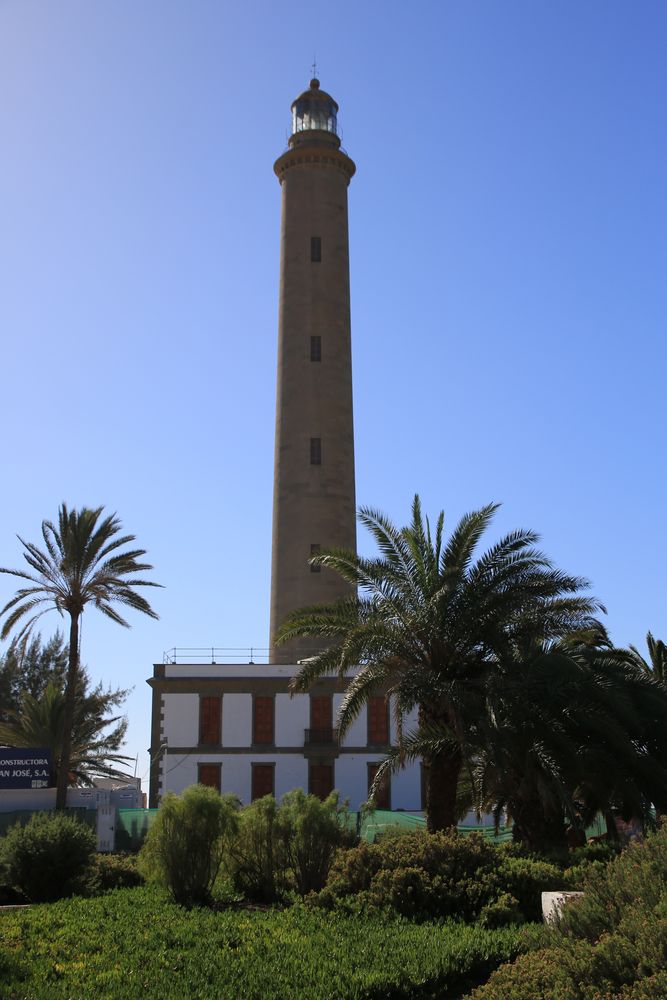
{"x": 609, "y": 943}
{"x": 113, "y": 871}
{"x": 187, "y": 842}
{"x": 432, "y": 876}
{"x": 47, "y": 858}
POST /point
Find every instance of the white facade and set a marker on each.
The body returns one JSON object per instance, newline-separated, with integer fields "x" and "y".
{"x": 300, "y": 754}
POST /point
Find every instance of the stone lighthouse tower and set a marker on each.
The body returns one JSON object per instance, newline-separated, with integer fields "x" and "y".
{"x": 313, "y": 500}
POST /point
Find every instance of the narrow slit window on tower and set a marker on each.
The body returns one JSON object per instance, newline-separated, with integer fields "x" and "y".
{"x": 316, "y": 451}
{"x": 314, "y": 549}
{"x": 316, "y": 249}
{"x": 315, "y": 348}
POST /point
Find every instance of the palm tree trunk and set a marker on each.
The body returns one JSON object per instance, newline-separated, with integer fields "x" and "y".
{"x": 68, "y": 716}
{"x": 442, "y": 782}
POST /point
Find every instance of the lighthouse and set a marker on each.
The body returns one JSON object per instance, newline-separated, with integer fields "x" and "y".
{"x": 314, "y": 496}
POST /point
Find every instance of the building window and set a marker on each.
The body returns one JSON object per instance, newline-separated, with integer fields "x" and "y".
{"x": 209, "y": 774}
{"x": 314, "y": 549}
{"x": 262, "y": 721}
{"x": 316, "y": 249}
{"x": 263, "y": 780}
{"x": 321, "y": 717}
{"x": 316, "y": 451}
{"x": 315, "y": 348}
{"x": 210, "y": 716}
{"x": 378, "y": 722}
{"x": 382, "y": 797}
{"x": 320, "y": 780}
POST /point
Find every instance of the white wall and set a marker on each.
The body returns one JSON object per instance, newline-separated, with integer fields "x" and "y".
{"x": 357, "y": 734}
{"x": 236, "y": 720}
{"x": 292, "y": 717}
{"x": 291, "y": 772}
{"x": 406, "y": 789}
{"x": 181, "y": 719}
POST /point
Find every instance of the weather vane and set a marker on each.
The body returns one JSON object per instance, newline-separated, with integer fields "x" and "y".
{"x": 314, "y": 67}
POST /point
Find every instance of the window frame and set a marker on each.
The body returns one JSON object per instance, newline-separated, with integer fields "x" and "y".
{"x": 263, "y": 743}
{"x": 271, "y": 765}
{"x": 207, "y": 698}
{"x": 370, "y": 740}
{"x": 211, "y": 765}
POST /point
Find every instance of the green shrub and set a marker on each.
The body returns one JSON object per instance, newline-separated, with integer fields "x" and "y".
{"x": 609, "y": 943}
{"x": 255, "y": 861}
{"x": 47, "y": 858}
{"x": 526, "y": 879}
{"x": 113, "y": 871}
{"x": 186, "y": 844}
{"x": 425, "y": 876}
{"x": 311, "y": 832}
{"x": 286, "y": 847}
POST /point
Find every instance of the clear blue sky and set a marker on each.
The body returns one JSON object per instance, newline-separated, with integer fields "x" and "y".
{"x": 509, "y": 292}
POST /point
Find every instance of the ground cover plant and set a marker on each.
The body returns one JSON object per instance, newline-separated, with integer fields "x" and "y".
{"x": 611, "y": 943}
{"x": 135, "y": 943}
{"x": 426, "y": 876}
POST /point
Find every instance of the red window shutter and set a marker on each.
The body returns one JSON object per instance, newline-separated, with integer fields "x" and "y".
{"x": 382, "y": 798}
{"x": 263, "y": 720}
{"x": 321, "y": 780}
{"x": 378, "y": 721}
{"x": 262, "y": 780}
{"x": 320, "y": 712}
{"x": 209, "y": 774}
{"x": 209, "y": 720}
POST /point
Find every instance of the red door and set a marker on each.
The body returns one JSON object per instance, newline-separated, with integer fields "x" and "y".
{"x": 209, "y": 774}
{"x": 263, "y": 720}
{"x": 262, "y": 780}
{"x": 321, "y": 780}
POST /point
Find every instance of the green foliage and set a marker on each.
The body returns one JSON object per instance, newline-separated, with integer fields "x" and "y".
{"x": 187, "y": 842}
{"x": 255, "y": 859}
{"x": 94, "y": 749}
{"x": 83, "y": 563}
{"x": 429, "y": 623}
{"x": 311, "y": 832}
{"x": 113, "y": 871}
{"x": 30, "y": 670}
{"x": 426, "y": 876}
{"x": 133, "y": 944}
{"x": 286, "y": 847}
{"x": 525, "y": 879}
{"x": 609, "y": 943}
{"x": 47, "y": 858}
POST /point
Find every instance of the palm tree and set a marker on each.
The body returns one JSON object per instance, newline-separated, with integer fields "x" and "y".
{"x": 38, "y": 722}
{"x": 656, "y": 665}
{"x": 428, "y": 622}
{"x": 80, "y": 566}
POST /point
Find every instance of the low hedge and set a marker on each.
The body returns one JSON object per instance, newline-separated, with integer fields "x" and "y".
{"x": 134, "y": 943}
{"x": 425, "y": 876}
{"x": 610, "y": 943}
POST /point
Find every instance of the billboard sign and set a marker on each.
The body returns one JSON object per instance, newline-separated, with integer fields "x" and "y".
{"x": 23, "y": 768}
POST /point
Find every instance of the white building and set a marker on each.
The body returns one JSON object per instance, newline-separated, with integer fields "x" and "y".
{"x": 236, "y": 727}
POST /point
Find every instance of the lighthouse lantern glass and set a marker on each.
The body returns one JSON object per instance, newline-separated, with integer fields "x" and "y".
{"x": 308, "y": 114}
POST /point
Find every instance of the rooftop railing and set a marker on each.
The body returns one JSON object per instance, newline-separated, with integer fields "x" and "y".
{"x": 216, "y": 654}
